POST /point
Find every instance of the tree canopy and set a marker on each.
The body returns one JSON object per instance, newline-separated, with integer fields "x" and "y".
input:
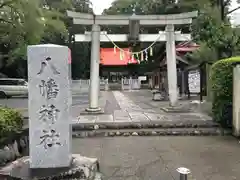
{"x": 28, "y": 22}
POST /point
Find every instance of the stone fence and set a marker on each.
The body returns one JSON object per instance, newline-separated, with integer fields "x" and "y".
{"x": 83, "y": 85}
{"x": 104, "y": 85}
{"x": 13, "y": 147}
{"x": 126, "y": 84}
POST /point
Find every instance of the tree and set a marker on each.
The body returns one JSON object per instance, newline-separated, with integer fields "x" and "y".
{"x": 24, "y": 22}
{"x": 215, "y": 35}
{"x": 20, "y": 24}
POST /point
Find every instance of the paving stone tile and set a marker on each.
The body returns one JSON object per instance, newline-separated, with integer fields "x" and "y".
{"x": 121, "y": 116}
{"x": 138, "y": 116}
{"x": 87, "y": 119}
{"x": 104, "y": 118}
{"x": 156, "y": 117}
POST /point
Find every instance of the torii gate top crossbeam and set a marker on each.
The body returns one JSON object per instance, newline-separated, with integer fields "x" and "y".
{"x": 124, "y": 37}
{"x": 88, "y": 19}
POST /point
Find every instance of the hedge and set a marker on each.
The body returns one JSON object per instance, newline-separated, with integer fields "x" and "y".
{"x": 11, "y": 121}
{"x": 221, "y": 77}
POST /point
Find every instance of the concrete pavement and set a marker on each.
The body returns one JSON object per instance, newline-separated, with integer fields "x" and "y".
{"x": 135, "y": 114}
{"x": 136, "y": 106}
{"x": 22, "y": 102}
{"x": 157, "y": 158}
{"x": 131, "y": 110}
{"x": 119, "y": 107}
{"x": 79, "y": 103}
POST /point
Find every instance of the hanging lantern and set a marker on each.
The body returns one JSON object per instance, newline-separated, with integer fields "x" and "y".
{"x": 142, "y": 56}
{"x": 151, "y": 51}
{"x": 146, "y": 57}
{"x": 121, "y": 55}
{"x": 132, "y": 57}
{"x": 138, "y": 61}
{"x": 137, "y": 56}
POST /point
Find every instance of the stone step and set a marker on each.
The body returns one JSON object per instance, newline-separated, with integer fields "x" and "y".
{"x": 213, "y": 131}
{"x": 145, "y": 125}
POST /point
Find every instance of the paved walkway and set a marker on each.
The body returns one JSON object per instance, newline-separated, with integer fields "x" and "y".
{"x": 132, "y": 107}
{"x": 157, "y": 158}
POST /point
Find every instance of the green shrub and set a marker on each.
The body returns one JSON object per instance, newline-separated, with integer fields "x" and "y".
{"x": 11, "y": 121}
{"x": 221, "y": 77}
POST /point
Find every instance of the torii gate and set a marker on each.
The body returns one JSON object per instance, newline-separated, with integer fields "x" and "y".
{"x": 96, "y": 36}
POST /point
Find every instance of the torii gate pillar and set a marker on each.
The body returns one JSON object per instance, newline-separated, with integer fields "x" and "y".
{"x": 96, "y": 20}
{"x": 171, "y": 65}
{"x": 94, "y": 70}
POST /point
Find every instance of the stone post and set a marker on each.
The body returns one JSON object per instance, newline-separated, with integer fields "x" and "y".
{"x": 94, "y": 70}
{"x": 130, "y": 83}
{"x": 122, "y": 85}
{"x": 236, "y": 101}
{"x": 208, "y": 83}
{"x": 106, "y": 87}
{"x": 183, "y": 173}
{"x": 49, "y": 106}
{"x": 182, "y": 82}
{"x": 171, "y": 65}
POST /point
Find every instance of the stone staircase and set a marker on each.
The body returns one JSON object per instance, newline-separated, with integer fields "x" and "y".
{"x": 158, "y": 128}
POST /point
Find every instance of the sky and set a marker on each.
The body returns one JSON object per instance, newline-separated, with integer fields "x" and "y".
{"x": 234, "y": 5}
{"x": 100, "y": 5}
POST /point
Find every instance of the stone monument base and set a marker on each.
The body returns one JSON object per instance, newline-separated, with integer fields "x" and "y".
{"x": 80, "y": 168}
{"x": 92, "y": 111}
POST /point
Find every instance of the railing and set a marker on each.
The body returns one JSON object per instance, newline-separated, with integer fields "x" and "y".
{"x": 126, "y": 84}
{"x": 103, "y": 84}
{"x": 135, "y": 84}
{"x": 83, "y": 85}
{"x": 130, "y": 84}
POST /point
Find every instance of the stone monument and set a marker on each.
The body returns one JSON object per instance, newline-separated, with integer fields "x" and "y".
{"x": 50, "y": 131}
{"x": 49, "y": 106}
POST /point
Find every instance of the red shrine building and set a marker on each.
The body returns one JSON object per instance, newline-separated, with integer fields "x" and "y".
{"x": 114, "y": 67}
{"x": 114, "y": 63}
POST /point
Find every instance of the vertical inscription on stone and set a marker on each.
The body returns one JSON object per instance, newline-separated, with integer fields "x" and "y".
{"x": 50, "y": 138}
{"x": 48, "y": 113}
{"x": 49, "y": 106}
{"x": 48, "y": 89}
